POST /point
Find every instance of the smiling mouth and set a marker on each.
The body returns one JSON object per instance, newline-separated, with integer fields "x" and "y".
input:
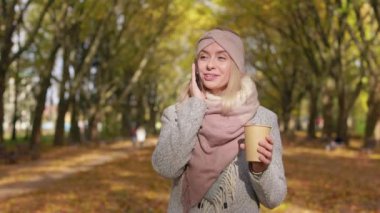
{"x": 210, "y": 77}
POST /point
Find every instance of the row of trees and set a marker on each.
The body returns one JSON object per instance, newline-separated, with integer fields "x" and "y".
{"x": 114, "y": 62}
{"x": 103, "y": 59}
{"x": 326, "y": 52}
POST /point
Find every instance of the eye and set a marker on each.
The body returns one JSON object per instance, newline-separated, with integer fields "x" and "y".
{"x": 203, "y": 57}
{"x": 222, "y": 58}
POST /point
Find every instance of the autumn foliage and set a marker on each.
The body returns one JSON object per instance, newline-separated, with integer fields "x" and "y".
{"x": 343, "y": 180}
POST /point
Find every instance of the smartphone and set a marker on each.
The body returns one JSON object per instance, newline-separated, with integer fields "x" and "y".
{"x": 197, "y": 76}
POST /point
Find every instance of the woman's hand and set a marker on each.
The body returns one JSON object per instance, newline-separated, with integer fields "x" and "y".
{"x": 265, "y": 151}
{"x": 194, "y": 89}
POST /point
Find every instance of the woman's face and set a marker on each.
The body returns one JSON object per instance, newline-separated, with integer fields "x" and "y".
{"x": 214, "y": 65}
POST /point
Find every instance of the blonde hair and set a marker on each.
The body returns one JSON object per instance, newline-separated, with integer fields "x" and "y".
{"x": 233, "y": 87}
{"x": 228, "y": 96}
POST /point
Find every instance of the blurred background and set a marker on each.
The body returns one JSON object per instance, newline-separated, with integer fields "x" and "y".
{"x": 91, "y": 71}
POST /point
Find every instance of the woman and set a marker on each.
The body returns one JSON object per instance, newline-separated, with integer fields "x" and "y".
{"x": 200, "y": 144}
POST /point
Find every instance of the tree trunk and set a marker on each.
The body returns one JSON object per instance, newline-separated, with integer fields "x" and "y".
{"x": 344, "y": 111}
{"x": 373, "y": 115}
{"x": 140, "y": 110}
{"x": 285, "y": 115}
{"x": 41, "y": 99}
{"x": 152, "y": 118}
{"x": 92, "y": 130}
{"x": 298, "y": 120}
{"x": 2, "y": 90}
{"x": 341, "y": 130}
{"x": 152, "y": 100}
{"x": 10, "y": 27}
{"x": 5, "y": 61}
{"x": 346, "y": 101}
{"x": 15, "y": 113}
{"x": 328, "y": 117}
{"x": 342, "y": 125}
{"x": 125, "y": 119}
{"x": 313, "y": 113}
{"x": 59, "y": 133}
{"x": 75, "y": 135}
{"x": 63, "y": 105}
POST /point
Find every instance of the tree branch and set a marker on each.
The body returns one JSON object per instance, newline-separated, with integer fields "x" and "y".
{"x": 4, "y": 8}
{"x": 34, "y": 32}
{"x": 22, "y": 12}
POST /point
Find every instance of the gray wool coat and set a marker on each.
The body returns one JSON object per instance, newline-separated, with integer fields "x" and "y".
{"x": 180, "y": 124}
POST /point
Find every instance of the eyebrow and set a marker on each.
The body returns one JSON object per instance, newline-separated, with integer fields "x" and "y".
{"x": 218, "y": 52}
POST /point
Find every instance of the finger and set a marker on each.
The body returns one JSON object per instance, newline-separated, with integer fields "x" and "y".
{"x": 265, "y": 153}
{"x": 193, "y": 81}
{"x": 269, "y": 139}
{"x": 264, "y": 160}
{"x": 194, "y": 86}
{"x": 193, "y": 78}
{"x": 241, "y": 141}
{"x": 265, "y": 144}
{"x": 242, "y": 146}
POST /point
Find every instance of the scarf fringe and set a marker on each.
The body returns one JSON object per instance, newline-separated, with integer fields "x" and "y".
{"x": 225, "y": 192}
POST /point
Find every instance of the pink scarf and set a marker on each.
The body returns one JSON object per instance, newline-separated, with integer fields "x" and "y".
{"x": 216, "y": 146}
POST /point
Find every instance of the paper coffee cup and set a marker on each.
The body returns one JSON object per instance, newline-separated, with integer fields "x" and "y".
{"x": 253, "y": 134}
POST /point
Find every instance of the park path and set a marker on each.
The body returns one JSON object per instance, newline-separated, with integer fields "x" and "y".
{"x": 20, "y": 179}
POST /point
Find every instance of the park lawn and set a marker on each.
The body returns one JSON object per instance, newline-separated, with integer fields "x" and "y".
{"x": 343, "y": 180}
{"x": 318, "y": 181}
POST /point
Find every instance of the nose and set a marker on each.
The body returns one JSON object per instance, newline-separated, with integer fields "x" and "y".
{"x": 211, "y": 64}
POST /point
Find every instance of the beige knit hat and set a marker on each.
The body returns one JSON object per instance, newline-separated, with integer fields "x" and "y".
{"x": 229, "y": 41}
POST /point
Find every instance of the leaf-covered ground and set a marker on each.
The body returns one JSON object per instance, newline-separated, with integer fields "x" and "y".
{"x": 343, "y": 180}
